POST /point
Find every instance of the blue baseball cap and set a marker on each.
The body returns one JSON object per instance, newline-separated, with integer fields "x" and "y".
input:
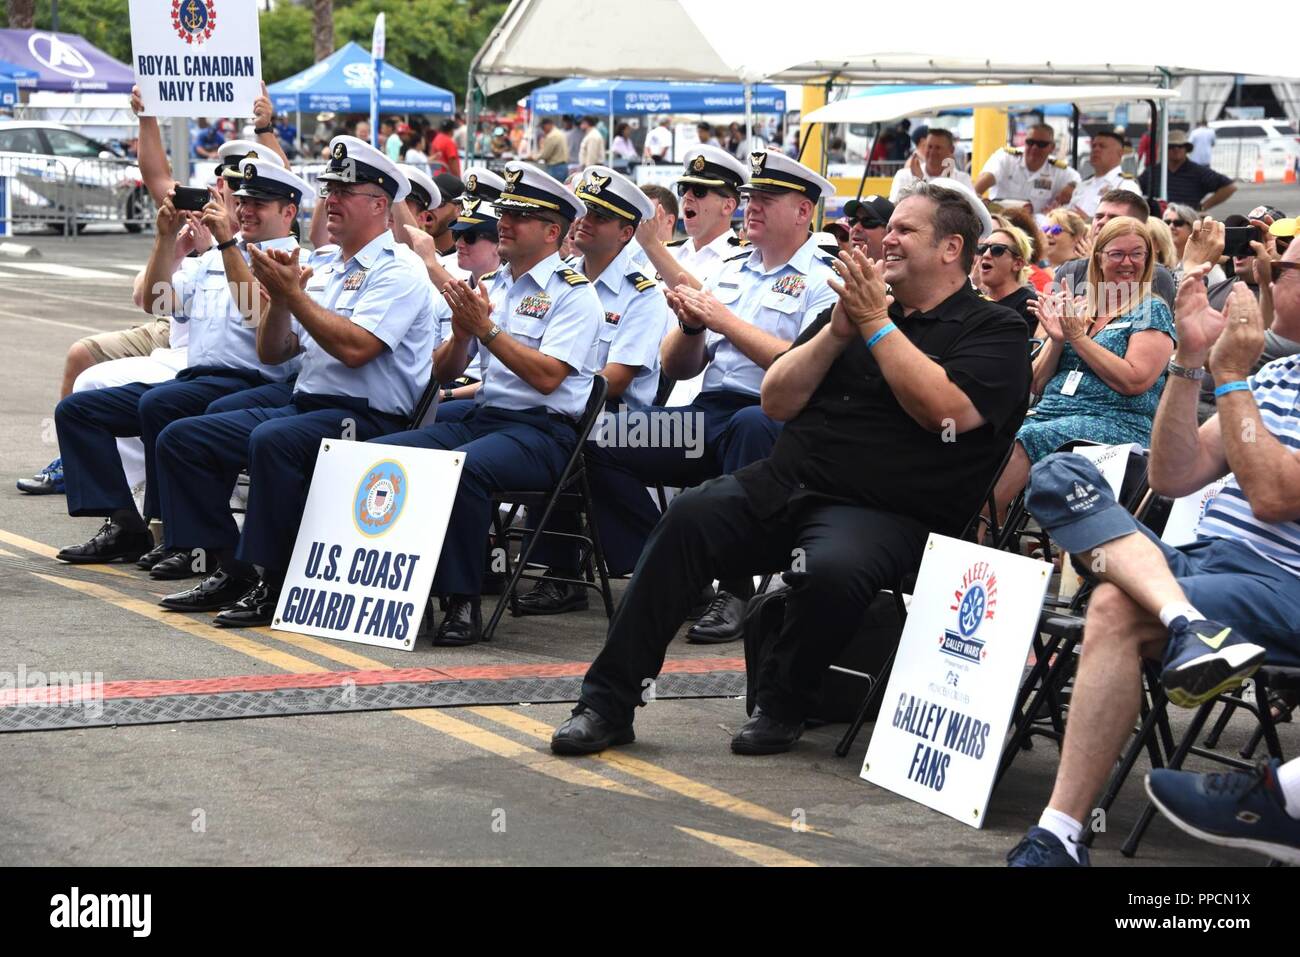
{"x": 1074, "y": 504}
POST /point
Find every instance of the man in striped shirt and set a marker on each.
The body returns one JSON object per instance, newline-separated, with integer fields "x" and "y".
{"x": 1213, "y": 610}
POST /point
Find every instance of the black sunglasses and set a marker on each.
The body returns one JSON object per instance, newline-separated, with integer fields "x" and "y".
{"x": 869, "y": 222}
{"x": 696, "y": 190}
{"x": 1176, "y": 222}
{"x": 994, "y": 249}
{"x": 1041, "y": 144}
{"x": 470, "y": 236}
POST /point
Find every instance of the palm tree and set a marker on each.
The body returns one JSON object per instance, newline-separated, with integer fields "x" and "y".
{"x": 322, "y": 27}
{"x": 22, "y": 14}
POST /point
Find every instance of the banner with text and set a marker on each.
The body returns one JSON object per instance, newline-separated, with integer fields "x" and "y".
{"x": 369, "y": 543}
{"x": 197, "y": 57}
{"x": 946, "y": 709}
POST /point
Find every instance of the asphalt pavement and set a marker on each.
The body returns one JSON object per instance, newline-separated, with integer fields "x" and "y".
{"x": 450, "y": 785}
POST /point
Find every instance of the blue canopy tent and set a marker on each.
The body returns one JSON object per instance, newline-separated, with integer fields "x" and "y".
{"x": 341, "y": 83}
{"x": 621, "y": 97}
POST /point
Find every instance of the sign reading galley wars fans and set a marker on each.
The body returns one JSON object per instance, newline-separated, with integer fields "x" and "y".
{"x": 944, "y": 717}
{"x": 369, "y": 543}
{"x": 196, "y": 57}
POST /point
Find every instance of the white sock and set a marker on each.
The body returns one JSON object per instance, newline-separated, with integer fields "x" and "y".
{"x": 1176, "y": 608}
{"x": 1066, "y": 828}
{"x": 1288, "y": 779}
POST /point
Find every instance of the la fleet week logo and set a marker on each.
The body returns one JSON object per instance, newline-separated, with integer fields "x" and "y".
{"x": 194, "y": 20}
{"x": 974, "y": 602}
{"x": 379, "y": 499}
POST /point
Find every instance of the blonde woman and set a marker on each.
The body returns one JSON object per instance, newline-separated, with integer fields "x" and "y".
{"x": 1102, "y": 369}
{"x": 1002, "y": 271}
{"x": 1163, "y": 241}
{"x": 1063, "y": 231}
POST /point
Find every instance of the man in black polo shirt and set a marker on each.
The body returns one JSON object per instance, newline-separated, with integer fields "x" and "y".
{"x": 898, "y": 411}
{"x": 1190, "y": 183}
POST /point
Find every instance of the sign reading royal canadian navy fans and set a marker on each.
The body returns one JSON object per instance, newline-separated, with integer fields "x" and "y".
{"x": 196, "y": 57}
{"x": 946, "y": 709}
{"x": 369, "y": 543}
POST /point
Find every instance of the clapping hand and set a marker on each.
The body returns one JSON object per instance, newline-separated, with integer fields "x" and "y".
{"x": 1241, "y": 343}
{"x": 864, "y": 295}
{"x": 1197, "y": 324}
{"x": 471, "y": 310}
{"x": 278, "y": 272}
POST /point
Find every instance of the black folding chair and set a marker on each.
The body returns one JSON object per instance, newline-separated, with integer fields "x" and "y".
{"x": 571, "y": 493}
{"x": 985, "y": 517}
{"x": 1265, "y": 729}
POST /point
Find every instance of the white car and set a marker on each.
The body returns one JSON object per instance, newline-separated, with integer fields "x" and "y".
{"x": 1240, "y": 145}
{"x": 55, "y": 175}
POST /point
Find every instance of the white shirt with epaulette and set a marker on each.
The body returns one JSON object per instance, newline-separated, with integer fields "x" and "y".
{"x": 1014, "y": 180}
{"x": 704, "y": 263}
{"x": 781, "y": 300}
{"x": 636, "y": 319}
{"x": 1087, "y": 197}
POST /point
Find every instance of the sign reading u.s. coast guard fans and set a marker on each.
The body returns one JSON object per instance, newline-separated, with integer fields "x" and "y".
{"x": 944, "y": 716}
{"x": 369, "y": 543}
{"x": 196, "y": 57}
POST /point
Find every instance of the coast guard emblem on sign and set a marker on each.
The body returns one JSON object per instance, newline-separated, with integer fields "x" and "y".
{"x": 380, "y": 496}
{"x": 194, "y": 20}
{"x": 975, "y": 601}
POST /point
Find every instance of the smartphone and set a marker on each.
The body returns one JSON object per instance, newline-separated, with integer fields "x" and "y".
{"x": 190, "y": 199}
{"x": 1237, "y": 240}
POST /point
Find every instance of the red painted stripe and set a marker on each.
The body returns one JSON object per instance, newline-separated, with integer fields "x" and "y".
{"x": 329, "y": 679}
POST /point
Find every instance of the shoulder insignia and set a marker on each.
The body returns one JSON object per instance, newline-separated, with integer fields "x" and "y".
{"x": 827, "y": 260}
{"x": 1013, "y": 150}
{"x": 640, "y": 281}
{"x": 673, "y": 243}
{"x": 1127, "y": 176}
{"x": 487, "y": 277}
{"x": 1060, "y": 164}
{"x": 744, "y": 255}
{"x": 572, "y": 276}
{"x": 737, "y": 241}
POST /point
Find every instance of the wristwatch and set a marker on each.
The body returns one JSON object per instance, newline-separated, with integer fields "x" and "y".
{"x": 1185, "y": 373}
{"x": 690, "y": 330}
{"x": 448, "y": 395}
{"x": 491, "y": 334}
{"x": 222, "y": 247}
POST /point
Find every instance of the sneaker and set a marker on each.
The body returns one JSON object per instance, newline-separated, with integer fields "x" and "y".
{"x": 1041, "y": 848}
{"x": 1238, "y": 809}
{"x": 48, "y": 481}
{"x": 1203, "y": 659}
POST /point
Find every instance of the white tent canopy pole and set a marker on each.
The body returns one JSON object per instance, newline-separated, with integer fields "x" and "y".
{"x": 884, "y": 107}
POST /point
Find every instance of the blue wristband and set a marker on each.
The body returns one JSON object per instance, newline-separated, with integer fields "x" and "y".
{"x": 880, "y": 333}
{"x": 1241, "y": 385}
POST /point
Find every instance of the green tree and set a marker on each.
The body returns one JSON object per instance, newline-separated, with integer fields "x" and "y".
{"x": 286, "y": 41}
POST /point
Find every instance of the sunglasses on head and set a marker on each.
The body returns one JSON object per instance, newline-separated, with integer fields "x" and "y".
{"x": 1041, "y": 144}
{"x": 993, "y": 249}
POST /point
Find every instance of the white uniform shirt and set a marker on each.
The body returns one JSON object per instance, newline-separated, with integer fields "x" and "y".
{"x": 904, "y": 179}
{"x": 1015, "y": 181}
{"x": 781, "y": 300}
{"x": 704, "y": 263}
{"x": 659, "y": 141}
{"x": 1087, "y": 196}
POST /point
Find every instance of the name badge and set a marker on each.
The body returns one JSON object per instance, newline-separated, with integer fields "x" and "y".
{"x": 316, "y": 282}
{"x": 1120, "y": 325}
{"x": 1072, "y": 382}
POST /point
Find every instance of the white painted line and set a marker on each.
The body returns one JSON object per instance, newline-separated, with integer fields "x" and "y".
{"x": 66, "y": 272}
{"x": 14, "y": 316}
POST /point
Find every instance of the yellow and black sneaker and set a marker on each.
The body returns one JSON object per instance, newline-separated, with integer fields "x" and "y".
{"x": 1204, "y": 658}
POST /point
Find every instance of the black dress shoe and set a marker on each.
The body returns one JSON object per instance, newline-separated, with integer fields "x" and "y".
{"x": 722, "y": 621}
{"x": 219, "y": 590}
{"x": 762, "y": 734}
{"x": 178, "y": 564}
{"x": 587, "y": 732}
{"x": 152, "y": 557}
{"x": 702, "y": 603}
{"x": 253, "y": 610}
{"x": 111, "y": 543}
{"x": 463, "y": 624}
{"x": 550, "y": 597}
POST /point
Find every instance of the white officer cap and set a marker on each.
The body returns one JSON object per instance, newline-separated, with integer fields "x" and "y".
{"x": 423, "y": 189}
{"x": 968, "y": 196}
{"x": 481, "y": 181}
{"x": 476, "y": 215}
{"x": 713, "y": 167}
{"x": 231, "y": 152}
{"x": 611, "y": 193}
{"x": 259, "y": 179}
{"x": 529, "y": 189}
{"x": 771, "y": 171}
{"x": 356, "y": 161}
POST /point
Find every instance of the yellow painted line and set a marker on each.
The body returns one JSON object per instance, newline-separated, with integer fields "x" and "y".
{"x": 758, "y": 853}
{"x": 322, "y": 648}
{"x": 651, "y": 773}
{"x": 227, "y": 639}
{"x": 46, "y": 551}
{"x": 531, "y": 758}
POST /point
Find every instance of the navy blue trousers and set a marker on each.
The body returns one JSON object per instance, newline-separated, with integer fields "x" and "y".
{"x": 269, "y": 396}
{"x": 89, "y": 423}
{"x": 200, "y": 458}
{"x": 504, "y": 450}
{"x": 728, "y": 431}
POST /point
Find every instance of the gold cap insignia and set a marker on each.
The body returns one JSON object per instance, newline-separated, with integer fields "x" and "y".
{"x": 756, "y": 162}
{"x": 698, "y": 164}
{"x": 471, "y": 184}
{"x": 512, "y": 177}
{"x": 340, "y": 151}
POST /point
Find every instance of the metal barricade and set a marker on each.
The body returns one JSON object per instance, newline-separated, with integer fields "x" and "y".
{"x": 35, "y": 193}
{"x": 107, "y": 191}
{"x": 67, "y": 194}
